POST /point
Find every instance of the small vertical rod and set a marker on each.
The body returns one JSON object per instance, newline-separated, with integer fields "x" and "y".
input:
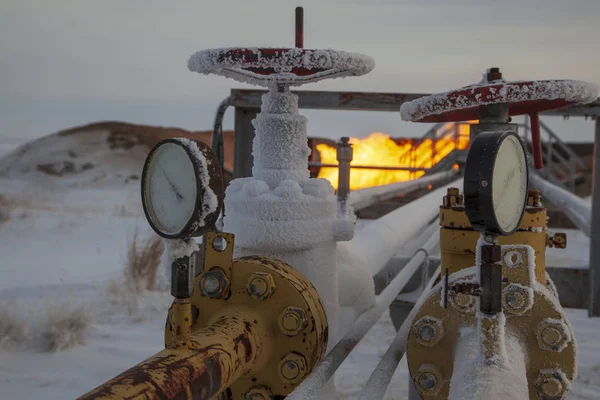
{"x": 594, "y": 308}
{"x": 536, "y": 141}
{"x": 490, "y": 300}
{"x": 299, "y": 27}
{"x": 344, "y": 157}
{"x": 183, "y": 273}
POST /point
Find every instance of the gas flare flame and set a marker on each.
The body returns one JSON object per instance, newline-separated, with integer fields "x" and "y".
{"x": 380, "y": 150}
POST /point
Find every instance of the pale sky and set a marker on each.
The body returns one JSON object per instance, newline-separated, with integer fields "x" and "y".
{"x": 70, "y": 62}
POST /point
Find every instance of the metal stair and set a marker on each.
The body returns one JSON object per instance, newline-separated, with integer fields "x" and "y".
{"x": 562, "y": 166}
{"x": 442, "y": 146}
{"x": 446, "y": 144}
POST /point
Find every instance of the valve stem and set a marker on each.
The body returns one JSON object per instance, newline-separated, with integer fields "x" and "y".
{"x": 299, "y": 27}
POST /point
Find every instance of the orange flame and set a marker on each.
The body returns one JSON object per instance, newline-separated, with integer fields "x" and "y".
{"x": 379, "y": 150}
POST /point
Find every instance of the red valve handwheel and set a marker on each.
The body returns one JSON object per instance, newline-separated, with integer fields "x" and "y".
{"x": 292, "y": 66}
{"x": 528, "y": 97}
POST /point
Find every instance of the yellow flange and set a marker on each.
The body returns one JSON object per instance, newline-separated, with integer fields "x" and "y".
{"x": 526, "y": 302}
{"x": 284, "y": 303}
{"x": 458, "y": 241}
{"x": 550, "y": 346}
{"x": 253, "y": 329}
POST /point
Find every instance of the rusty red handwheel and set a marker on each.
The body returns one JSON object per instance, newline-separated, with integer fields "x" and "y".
{"x": 525, "y": 97}
{"x": 288, "y": 66}
{"x": 280, "y": 66}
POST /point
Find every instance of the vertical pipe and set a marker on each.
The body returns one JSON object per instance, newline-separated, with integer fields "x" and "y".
{"x": 344, "y": 157}
{"x": 242, "y": 142}
{"x": 299, "y": 27}
{"x": 594, "y": 309}
{"x": 217, "y": 138}
{"x": 536, "y": 141}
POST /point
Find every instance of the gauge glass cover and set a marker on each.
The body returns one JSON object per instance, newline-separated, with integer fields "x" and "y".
{"x": 509, "y": 183}
{"x": 170, "y": 188}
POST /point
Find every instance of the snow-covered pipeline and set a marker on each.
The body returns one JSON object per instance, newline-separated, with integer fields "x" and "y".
{"x": 364, "y": 198}
{"x": 379, "y": 241}
{"x": 576, "y": 208}
{"x": 472, "y": 379}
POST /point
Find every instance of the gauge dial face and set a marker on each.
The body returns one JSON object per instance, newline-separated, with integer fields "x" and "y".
{"x": 509, "y": 183}
{"x": 496, "y": 182}
{"x": 170, "y": 188}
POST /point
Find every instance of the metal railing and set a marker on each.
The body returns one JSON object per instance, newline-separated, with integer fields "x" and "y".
{"x": 435, "y": 151}
{"x": 310, "y": 387}
{"x": 562, "y": 166}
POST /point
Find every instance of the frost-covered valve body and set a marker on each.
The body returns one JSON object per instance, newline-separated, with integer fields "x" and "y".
{"x": 279, "y": 211}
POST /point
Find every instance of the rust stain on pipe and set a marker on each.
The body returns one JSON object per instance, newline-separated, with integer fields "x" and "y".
{"x": 217, "y": 356}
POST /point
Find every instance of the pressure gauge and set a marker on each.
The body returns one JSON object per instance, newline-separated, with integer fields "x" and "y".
{"x": 496, "y": 180}
{"x": 182, "y": 188}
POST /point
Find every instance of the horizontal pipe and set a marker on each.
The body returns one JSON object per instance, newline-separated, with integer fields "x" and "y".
{"x": 403, "y": 257}
{"x": 412, "y": 246}
{"x": 374, "y": 167}
{"x": 363, "y": 198}
{"x": 575, "y": 208}
{"x": 380, "y": 240}
{"x": 310, "y": 387}
{"x": 381, "y": 376}
{"x": 217, "y": 355}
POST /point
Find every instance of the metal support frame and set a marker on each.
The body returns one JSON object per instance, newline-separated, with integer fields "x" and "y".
{"x": 247, "y": 104}
{"x": 594, "y": 309}
{"x": 370, "y": 101}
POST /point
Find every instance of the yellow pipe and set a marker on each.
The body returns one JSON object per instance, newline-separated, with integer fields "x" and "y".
{"x": 180, "y": 317}
{"x": 234, "y": 344}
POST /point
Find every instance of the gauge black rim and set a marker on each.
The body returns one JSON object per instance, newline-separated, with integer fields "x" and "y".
{"x": 478, "y": 182}
{"x": 216, "y": 184}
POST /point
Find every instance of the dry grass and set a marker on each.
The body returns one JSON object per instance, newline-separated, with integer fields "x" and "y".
{"x": 4, "y": 209}
{"x": 64, "y": 326}
{"x": 4, "y": 215}
{"x": 12, "y": 327}
{"x": 143, "y": 262}
{"x": 59, "y": 326}
{"x": 140, "y": 273}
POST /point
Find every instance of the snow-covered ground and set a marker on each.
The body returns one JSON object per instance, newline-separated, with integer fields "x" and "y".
{"x": 64, "y": 242}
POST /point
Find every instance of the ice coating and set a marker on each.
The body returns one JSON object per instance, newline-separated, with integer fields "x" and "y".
{"x": 473, "y": 379}
{"x": 530, "y": 258}
{"x": 576, "y": 92}
{"x": 210, "y": 202}
{"x": 330, "y": 63}
{"x": 280, "y": 212}
{"x": 280, "y": 146}
{"x": 179, "y": 248}
{"x": 174, "y": 249}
